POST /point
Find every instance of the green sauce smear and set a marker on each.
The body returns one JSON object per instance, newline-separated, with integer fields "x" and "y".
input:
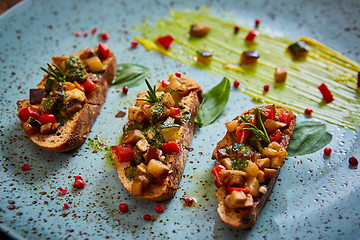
{"x": 322, "y": 65}
{"x": 100, "y": 145}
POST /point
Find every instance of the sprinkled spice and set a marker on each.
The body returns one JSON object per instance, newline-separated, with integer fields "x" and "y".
{"x": 94, "y": 30}
{"x": 236, "y": 29}
{"x": 123, "y": 207}
{"x": 105, "y": 35}
{"x": 79, "y": 182}
{"x": 159, "y": 208}
{"x": 236, "y": 83}
{"x": 125, "y": 89}
{"x": 327, "y": 151}
{"x": 25, "y": 167}
{"x": 353, "y": 161}
{"x": 134, "y": 44}
{"x": 66, "y": 206}
{"x": 146, "y": 217}
{"x": 266, "y": 87}
{"x": 308, "y": 111}
{"x": 63, "y": 191}
{"x": 178, "y": 74}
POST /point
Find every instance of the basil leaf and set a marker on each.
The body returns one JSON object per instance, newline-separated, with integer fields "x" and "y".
{"x": 213, "y": 103}
{"x": 308, "y": 137}
{"x": 129, "y": 74}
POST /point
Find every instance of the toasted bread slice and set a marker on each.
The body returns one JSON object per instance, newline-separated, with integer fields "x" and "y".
{"x": 74, "y": 131}
{"x": 175, "y": 161}
{"x": 245, "y": 217}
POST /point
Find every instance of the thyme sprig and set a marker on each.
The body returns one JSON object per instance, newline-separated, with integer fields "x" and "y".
{"x": 151, "y": 94}
{"x": 58, "y": 75}
{"x": 263, "y": 135}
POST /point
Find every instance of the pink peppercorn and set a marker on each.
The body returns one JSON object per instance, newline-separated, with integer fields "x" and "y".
{"x": 134, "y": 44}
{"x": 257, "y": 22}
{"x": 63, "y": 191}
{"x": 123, "y": 207}
{"x": 189, "y": 201}
{"x": 178, "y": 74}
{"x": 94, "y": 30}
{"x": 266, "y": 87}
{"x": 79, "y": 182}
{"x": 308, "y": 111}
{"x": 353, "y": 161}
{"x": 77, "y": 34}
{"x": 236, "y": 29}
{"x": 327, "y": 151}
{"x": 105, "y": 35}
{"x": 66, "y": 206}
{"x": 159, "y": 208}
{"x": 125, "y": 89}
{"x": 236, "y": 83}
{"x": 25, "y": 167}
{"x": 146, "y": 217}
{"x": 85, "y": 34}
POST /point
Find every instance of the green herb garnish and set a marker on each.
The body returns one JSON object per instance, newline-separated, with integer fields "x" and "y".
{"x": 239, "y": 164}
{"x": 130, "y": 75}
{"x": 58, "y": 75}
{"x": 263, "y": 135}
{"x": 151, "y": 94}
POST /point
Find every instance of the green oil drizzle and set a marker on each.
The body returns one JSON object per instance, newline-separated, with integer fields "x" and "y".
{"x": 304, "y": 76}
{"x": 101, "y": 145}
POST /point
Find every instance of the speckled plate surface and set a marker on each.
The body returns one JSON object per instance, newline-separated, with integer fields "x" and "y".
{"x": 315, "y": 197}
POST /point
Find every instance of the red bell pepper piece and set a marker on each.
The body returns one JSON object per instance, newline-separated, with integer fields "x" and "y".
{"x": 327, "y": 95}
{"x": 241, "y": 134}
{"x": 285, "y": 118}
{"x": 270, "y": 113}
{"x": 124, "y": 152}
{"x": 231, "y": 189}
{"x": 89, "y": 85}
{"x": 216, "y": 172}
{"x": 175, "y": 112}
{"x": 47, "y": 118}
{"x": 251, "y": 35}
{"x": 25, "y": 113}
{"x": 170, "y": 147}
{"x": 104, "y": 50}
{"x": 276, "y": 136}
{"x": 165, "y": 83}
{"x": 165, "y": 41}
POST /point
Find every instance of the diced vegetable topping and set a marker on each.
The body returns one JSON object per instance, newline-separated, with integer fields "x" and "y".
{"x": 276, "y": 136}
{"x": 28, "y": 112}
{"x": 231, "y": 189}
{"x": 252, "y": 35}
{"x": 327, "y": 95}
{"x": 249, "y": 57}
{"x": 165, "y": 41}
{"x": 124, "y": 152}
{"x": 280, "y": 74}
{"x": 298, "y": 49}
{"x": 203, "y": 56}
{"x": 89, "y": 85}
{"x": 285, "y": 118}
{"x": 170, "y": 147}
{"x": 199, "y": 30}
{"x": 104, "y": 50}
{"x": 242, "y": 134}
{"x": 216, "y": 172}
{"x": 47, "y": 118}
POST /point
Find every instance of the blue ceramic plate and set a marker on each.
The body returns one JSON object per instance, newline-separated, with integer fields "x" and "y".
{"x": 315, "y": 197}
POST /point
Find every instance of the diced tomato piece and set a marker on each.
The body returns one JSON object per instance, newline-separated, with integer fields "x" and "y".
{"x": 79, "y": 86}
{"x": 270, "y": 113}
{"x": 165, "y": 41}
{"x": 231, "y": 189}
{"x": 251, "y": 35}
{"x": 276, "y": 136}
{"x": 327, "y": 95}
{"x": 175, "y": 112}
{"x": 104, "y": 50}
{"x": 47, "y": 118}
{"x": 170, "y": 147}
{"x": 216, "y": 172}
{"x": 241, "y": 134}
{"x": 285, "y": 118}
{"x": 165, "y": 83}
{"x": 25, "y": 113}
{"x": 89, "y": 85}
{"x": 124, "y": 152}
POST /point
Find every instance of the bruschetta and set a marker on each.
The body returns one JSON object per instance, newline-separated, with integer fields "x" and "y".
{"x": 151, "y": 157}
{"x": 248, "y": 161}
{"x": 60, "y": 112}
